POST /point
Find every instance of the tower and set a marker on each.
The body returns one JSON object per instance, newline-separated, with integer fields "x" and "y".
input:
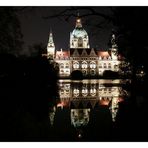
{"x": 50, "y": 47}
{"x": 114, "y": 48}
{"x": 79, "y": 37}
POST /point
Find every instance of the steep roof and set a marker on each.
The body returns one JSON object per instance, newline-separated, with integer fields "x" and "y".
{"x": 62, "y": 54}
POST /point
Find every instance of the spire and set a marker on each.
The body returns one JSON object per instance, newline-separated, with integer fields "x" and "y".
{"x": 113, "y": 41}
{"x": 50, "y": 30}
{"x": 78, "y": 14}
{"x": 50, "y": 41}
{"x": 114, "y": 48}
{"x": 78, "y": 21}
{"x": 50, "y": 46}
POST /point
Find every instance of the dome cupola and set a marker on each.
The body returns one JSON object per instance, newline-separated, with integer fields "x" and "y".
{"x": 79, "y": 37}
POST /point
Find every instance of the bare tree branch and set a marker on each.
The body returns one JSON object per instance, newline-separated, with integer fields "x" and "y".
{"x": 70, "y": 12}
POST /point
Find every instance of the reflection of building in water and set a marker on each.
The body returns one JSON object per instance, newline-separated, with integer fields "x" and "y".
{"x": 79, "y": 117}
{"x": 86, "y": 94}
{"x": 52, "y": 115}
{"x": 114, "y": 108}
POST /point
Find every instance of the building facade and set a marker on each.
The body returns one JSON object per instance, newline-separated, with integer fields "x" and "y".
{"x": 90, "y": 61}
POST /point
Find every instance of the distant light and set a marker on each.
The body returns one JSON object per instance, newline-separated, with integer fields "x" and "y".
{"x": 79, "y": 136}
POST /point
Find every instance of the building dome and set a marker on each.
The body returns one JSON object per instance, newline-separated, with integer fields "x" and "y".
{"x": 79, "y": 33}
{"x": 79, "y": 37}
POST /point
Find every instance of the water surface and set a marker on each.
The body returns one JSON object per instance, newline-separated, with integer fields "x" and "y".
{"x": 96, "y": 110}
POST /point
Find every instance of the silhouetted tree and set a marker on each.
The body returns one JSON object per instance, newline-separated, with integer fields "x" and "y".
{"x": 131, "y": 26}
{"x": 37, "y": 49}
{"x": 10, "y": 30}
{"x": 77, "y": 75}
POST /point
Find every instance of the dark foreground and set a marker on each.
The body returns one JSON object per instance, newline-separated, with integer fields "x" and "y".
{"x": 29, "y": 98}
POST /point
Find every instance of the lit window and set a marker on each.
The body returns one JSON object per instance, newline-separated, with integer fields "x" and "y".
{"x": 84, "y": 64}
{"x": 84, "y": 91}
{"x": 76, "y": 92}
{"x": 62, "y": 65}
{"x": 76, "y": 65}
{"x": 67, "y": 65}
{"x": 93, "y": 91}
{"x": 105, "y": 65}
{"x": 92, "y": 65}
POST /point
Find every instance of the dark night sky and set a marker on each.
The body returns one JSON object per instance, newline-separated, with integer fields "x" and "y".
{"x": 36, "y": 29}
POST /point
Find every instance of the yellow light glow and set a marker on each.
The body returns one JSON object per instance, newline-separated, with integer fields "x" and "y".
{"x": 78, "y": 20}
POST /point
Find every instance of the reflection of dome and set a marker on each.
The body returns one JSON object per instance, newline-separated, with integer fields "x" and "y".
{"x": 79, "y": 117}
{"x": 79, "y": 33}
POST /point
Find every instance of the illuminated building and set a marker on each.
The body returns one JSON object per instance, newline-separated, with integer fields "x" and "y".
{"x": 79, "y": 56}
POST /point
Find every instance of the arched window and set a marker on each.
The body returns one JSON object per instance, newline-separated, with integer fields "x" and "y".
{"x": 93, "y": 91}
{"x": 61, "y": 65}
{"x": 105, "y": 65}
{"x": 93, "y": 65}
{"x": 84, "y": 64}
{"x": 76, "y": 65}
{"x": 115, "y": 66}
{"x": 76, "y": 92}
{"x": 109, "y": 65}
{"x": 100, "y": 65}
{"x": 84, "y": 91}
{"x": 67, "y": 65}
{"x": 80, "y": 42}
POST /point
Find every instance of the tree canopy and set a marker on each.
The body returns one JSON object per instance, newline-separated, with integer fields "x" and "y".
{"x": 10, "y": 30}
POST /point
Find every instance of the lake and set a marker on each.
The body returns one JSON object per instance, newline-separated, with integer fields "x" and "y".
{"x": 98, "y": 110}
